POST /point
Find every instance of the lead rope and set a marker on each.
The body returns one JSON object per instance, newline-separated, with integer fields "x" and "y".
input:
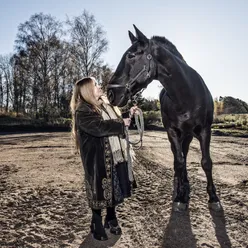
{"x": 139, "y": 122}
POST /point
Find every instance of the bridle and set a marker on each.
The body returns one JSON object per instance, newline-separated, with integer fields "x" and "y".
{"x": 146, "y": 69}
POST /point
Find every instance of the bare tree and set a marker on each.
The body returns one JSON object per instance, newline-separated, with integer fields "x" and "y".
{"x": 89, "y": 43}
{"x": 6, "y": 80}
{"x": 38, "y": 79}
{"x": 1, "y": 91}
{"x": 106, "y": 74}
{"x": 22, "y": 82}
{"x": 40, "y": 38}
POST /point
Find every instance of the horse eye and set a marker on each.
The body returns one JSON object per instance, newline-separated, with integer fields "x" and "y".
{"x": 131, "y": 55}
{"x": 140, "y": 52}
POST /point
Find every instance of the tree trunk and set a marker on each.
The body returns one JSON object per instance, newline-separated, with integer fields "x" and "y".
{"x": 1, "y": 92}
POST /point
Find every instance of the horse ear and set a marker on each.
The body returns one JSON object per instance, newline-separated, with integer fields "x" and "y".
{"x": 132, "y": 37}
{"x": 140, "y": 36}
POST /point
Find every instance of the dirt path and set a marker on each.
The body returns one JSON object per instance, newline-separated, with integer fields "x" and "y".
{"x": 43, "y": 201}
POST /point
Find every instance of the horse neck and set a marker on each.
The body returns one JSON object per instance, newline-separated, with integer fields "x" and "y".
{"x": 176, "y": 84}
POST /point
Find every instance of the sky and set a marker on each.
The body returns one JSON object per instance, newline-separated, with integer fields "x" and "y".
{"x": 211, "y": 35}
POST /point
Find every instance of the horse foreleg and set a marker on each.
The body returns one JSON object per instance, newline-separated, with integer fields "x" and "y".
{"x": 182, "y": 193}
{"x": 185, "y": 147}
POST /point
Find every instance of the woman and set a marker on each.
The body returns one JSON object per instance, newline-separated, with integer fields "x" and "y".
{"x": 99, "y": 131}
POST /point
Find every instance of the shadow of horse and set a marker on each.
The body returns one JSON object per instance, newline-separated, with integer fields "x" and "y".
{"x": 220, "y": 228}
{"x": 178, "y": 232}
{"x": 90, "y": 242}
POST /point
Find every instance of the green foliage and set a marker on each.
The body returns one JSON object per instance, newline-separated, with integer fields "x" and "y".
{"x": 236, "y": 121}
{"x": 146, "y": 104}
{"x": 11, "y": 119}
{"x": 234, "y": 106}
{"x": 152, "y": 117}
{"x": 64, "y": 122}
{"x": 229, "y": 105}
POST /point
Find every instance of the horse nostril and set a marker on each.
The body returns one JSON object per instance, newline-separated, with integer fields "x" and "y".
{"x": 111, "y": 96}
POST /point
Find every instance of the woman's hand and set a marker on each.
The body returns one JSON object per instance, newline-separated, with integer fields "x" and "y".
{"x": 127, "y": 121}
{"x": 133, "y": 110}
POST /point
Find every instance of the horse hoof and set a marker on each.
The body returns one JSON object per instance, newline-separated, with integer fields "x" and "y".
{"x": 216, "y": 206}
{"x": 179, "y": 206}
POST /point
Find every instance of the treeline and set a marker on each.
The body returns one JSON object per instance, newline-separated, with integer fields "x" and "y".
{"x": 49, "y": 57}
{"x": 36, "y": 80}
{"x": 229, "y": 105}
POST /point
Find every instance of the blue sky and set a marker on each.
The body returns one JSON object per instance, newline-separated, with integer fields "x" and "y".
{"x": 211, "y": 35}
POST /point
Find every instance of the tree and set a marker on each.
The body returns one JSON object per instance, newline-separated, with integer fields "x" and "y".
{"x": 233, "y": 105}
{"x": 89, "y": 43}
{"x": 6, "y": 81}
{"x": 38, "y": 78}
{"x": 218, "y": 107}
{"x": 1, "y": 92}
{"x": 106, "y": 74}
{"x": 39, "y": 40}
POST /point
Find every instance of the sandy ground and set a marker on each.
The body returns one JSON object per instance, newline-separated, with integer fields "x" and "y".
{"x": 43, "y": 202}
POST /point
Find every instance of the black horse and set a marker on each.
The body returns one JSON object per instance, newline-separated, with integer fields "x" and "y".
{"x": 186, "y": 103}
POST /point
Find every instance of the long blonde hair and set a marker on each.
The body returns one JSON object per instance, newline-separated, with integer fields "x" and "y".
{"x": 83, "y": 91}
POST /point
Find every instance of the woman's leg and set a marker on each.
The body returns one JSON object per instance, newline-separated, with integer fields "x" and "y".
{"x": 96, "y": 225}
{"x": 111, "y": 221}
{"x": 111, "y": 213}
{"x": 96, "y": 212}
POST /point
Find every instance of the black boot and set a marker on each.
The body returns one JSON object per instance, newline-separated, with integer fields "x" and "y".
{"x": 96, "y": 226}
{"x": 111, "y": 222}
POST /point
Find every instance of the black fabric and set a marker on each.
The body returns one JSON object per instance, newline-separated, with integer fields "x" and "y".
{"x": 110, "y": 213}
{"x": 96, "y": 212}
{"x": 106, "y": 186}
{"x": 91, "y": 122}
{"x": 122, "y": 173}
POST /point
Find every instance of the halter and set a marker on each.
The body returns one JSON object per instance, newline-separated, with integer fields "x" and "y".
{"x": 146, "y": 70}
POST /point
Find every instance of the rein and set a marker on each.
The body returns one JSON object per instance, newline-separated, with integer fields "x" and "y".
{"x": 139, "y": 122}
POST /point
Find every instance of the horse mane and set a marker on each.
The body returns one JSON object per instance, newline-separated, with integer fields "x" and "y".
{"x": 169, "y": 45}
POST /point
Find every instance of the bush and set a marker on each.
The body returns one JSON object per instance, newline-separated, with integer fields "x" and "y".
{"x": 218, "y": 120}
{"x": 231, "y": 121}
{"x": 65, "y": 122}
{"x": 152, "y": 117}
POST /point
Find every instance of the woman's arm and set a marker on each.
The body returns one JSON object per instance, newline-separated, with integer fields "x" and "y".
{"x": 92, "y": 123}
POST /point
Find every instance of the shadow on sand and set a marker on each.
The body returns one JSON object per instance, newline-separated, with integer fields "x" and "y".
{"x": 90, "y": 242}
{"x": 220, "y": 228}
{"x": 178, "y": 232}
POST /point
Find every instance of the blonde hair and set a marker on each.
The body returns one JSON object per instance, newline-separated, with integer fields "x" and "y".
{"x": 116, "y": 109}
{"x": 83, "y": 91}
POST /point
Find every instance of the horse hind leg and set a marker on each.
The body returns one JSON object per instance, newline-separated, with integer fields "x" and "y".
{"x": 206, "y": 162}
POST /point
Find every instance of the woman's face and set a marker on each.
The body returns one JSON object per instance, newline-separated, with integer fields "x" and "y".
{"x": 97, "y": 91}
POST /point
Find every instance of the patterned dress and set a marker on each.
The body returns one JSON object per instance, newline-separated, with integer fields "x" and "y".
{"x": 106, "y": 184}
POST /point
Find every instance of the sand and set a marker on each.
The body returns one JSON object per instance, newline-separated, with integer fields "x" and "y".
{"x": 43, "y": 201}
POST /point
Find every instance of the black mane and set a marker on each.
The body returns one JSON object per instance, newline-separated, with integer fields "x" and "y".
{"x": 169, "y": 45}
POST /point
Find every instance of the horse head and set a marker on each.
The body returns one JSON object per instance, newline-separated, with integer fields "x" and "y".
{"x": 134, "y": 72}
